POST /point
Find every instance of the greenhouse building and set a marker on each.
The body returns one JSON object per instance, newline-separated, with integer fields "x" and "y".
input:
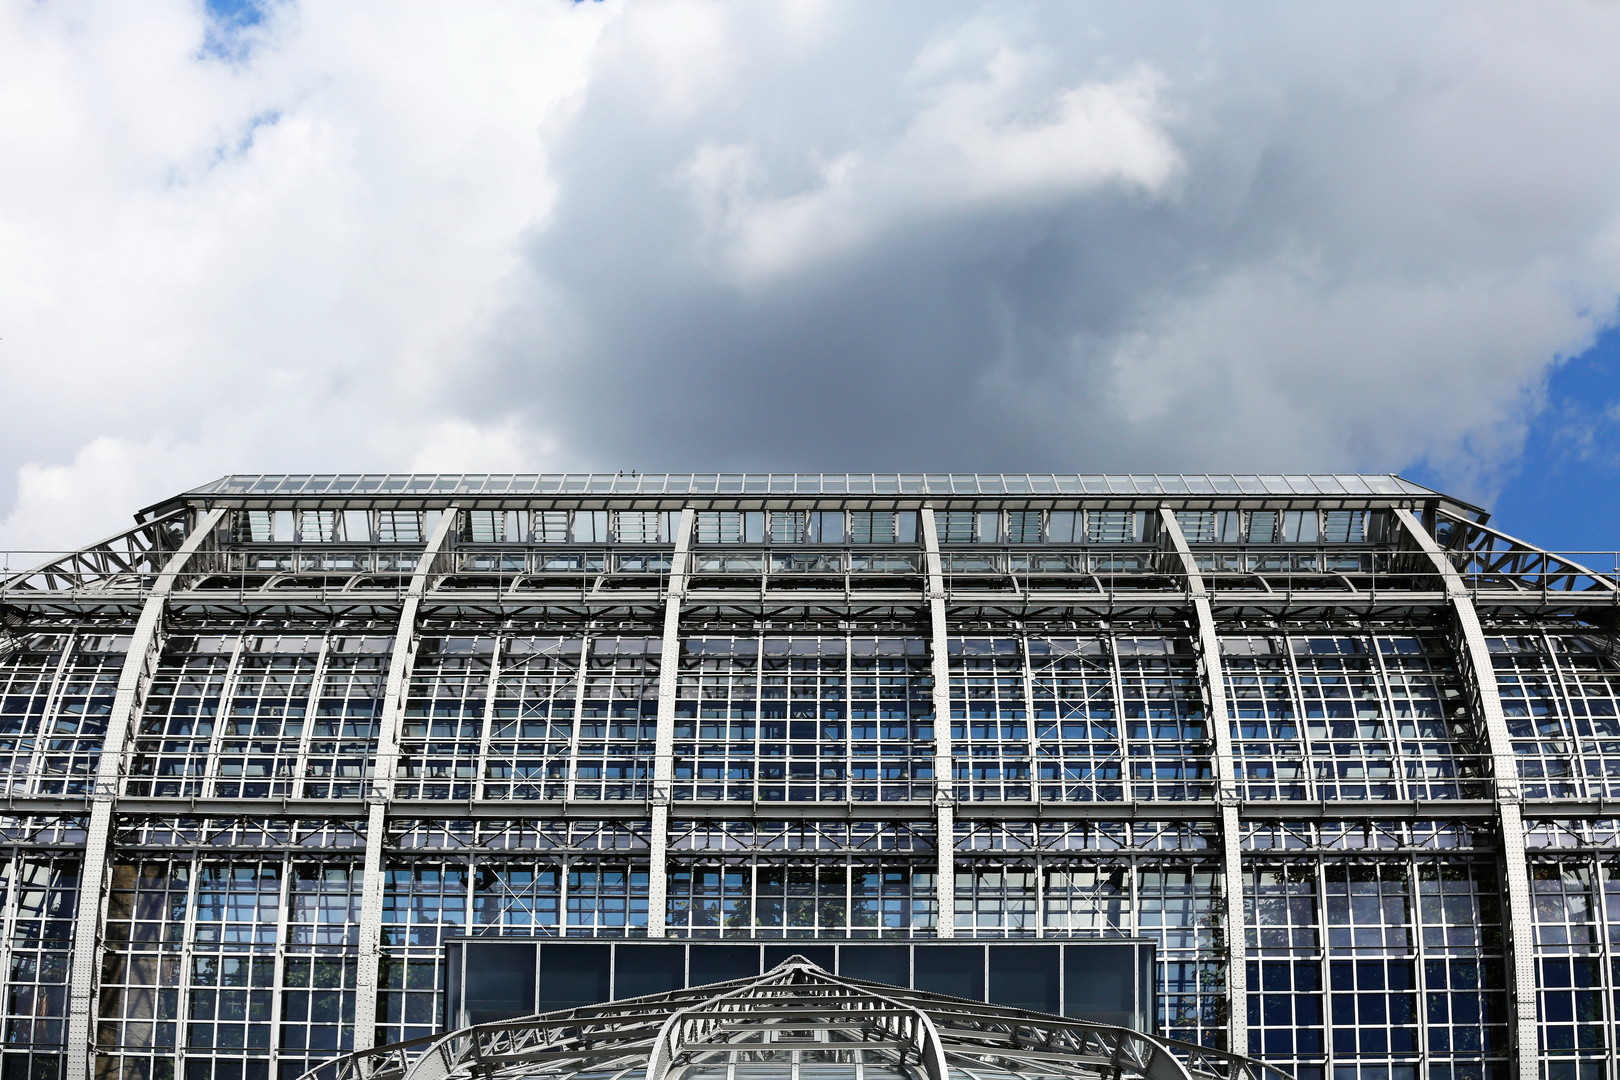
{"x": 811, "y": 776}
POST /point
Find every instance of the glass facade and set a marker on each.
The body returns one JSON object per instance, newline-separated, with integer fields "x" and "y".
{"x": 1338, "y": 751}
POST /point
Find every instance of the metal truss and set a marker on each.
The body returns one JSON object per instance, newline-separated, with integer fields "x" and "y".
{"x": 126, "y": 562}
{"x": 1488, "y": 559}
{"x": 795, "y": 1014}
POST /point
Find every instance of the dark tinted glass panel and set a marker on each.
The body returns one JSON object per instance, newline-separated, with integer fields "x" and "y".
{"x": 649, "y": 969}
{"x": 500, "y": 981}
{"x": 1098, "y": 982}
{"x": 573, "y": 975}
{"x": 820, "y": 955}
{"x": 957, "y": 970}
{"x": 717, "y": 963}
{"x": 453, "y": 1002}
{"x": 881, "y": 963}
{"x": 1026, "y": 976}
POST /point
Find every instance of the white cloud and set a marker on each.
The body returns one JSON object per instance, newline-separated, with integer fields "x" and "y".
{"x": 968, "y": 146}
{"x": 273, "y": 263}
{"x": 536, "y": 234}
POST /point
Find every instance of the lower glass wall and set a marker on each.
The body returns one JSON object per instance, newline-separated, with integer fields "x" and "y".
{"x": 1371, "y": 958}
{"x": 38, "y": 897}
{"x": 1575, "y": 902}
{"x": 1374, "y": 951}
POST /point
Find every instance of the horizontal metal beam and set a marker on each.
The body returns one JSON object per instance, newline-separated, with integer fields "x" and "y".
{"x": 919, "y": 811}
{"x": 1227, "y": 608}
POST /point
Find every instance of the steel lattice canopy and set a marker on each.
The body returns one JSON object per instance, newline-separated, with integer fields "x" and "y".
{"x": 796, "y": 1021}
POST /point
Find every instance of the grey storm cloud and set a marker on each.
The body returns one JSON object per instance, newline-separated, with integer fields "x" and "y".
{"x": 536, "y": 235}
{"x": 1334, "y": 239}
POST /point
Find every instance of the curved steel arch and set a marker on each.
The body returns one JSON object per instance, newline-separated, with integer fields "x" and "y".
{"x": 795, "y": 1014}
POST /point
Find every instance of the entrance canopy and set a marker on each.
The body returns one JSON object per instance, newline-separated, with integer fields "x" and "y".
{"x": 795, "y": 1022}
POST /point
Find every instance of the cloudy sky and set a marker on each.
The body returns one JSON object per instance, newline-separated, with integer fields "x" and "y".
{"x": 540, "y": 235}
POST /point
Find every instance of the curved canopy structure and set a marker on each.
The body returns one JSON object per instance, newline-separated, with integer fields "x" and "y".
{"x": 796, "y": 1022}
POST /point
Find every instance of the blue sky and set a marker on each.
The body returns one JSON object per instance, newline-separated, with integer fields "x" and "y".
{"x": 1562, "y": 491}
{"x": 531, "y": 235}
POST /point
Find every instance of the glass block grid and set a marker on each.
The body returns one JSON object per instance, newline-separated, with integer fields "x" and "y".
{"x": 1348, "y": 717}
{"x": 1113, "y": 718}
{"x": 1393, "y": 987}
{"x": 443, "y": 730}
{"x": 260, "y": 716}
{"x": 531, "y": 735}
{"x": 617, "y": 733}
{"x": 802, "y": 898}
{"x": 804, "y": 719}
{"x": 1561, "y": 696}
{"x": 38, "y": 898}
{"x": 1575, "y": 902}
{"x": 29, "y": 681}
{"x": 54, "y": 743}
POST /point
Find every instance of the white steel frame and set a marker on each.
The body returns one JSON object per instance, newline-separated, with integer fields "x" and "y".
{"x": 1441, "y": 569}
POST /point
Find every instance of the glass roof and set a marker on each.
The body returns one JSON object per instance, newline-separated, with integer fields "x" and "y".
{"x": 632, "y": 483}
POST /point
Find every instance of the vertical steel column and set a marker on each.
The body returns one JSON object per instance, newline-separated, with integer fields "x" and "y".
{"x": 585, "y": 640}
{"x": 944, "y": 778}
{"x": 1226, "y": 788}
{"x": 1479, "y": 676}
{"x": 664, "y": 749}
{"x": 128, "y": 699}
{"x": 382, "y": 784}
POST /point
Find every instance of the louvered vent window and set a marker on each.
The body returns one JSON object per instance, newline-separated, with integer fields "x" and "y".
{"x": 1110, "y": 527}
{"x": 789, "y": 527}
{"x": 719, "y": 527}
{"x": 637, "y": 527}
{"x": 550, "y": 527}
{"x": 1024, "y": 527}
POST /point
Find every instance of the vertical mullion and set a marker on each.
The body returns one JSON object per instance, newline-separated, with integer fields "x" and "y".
{"x": 284, "y": 926}
{"x": 1386, "y": 702}
{"x": 759, "y": 724}
{"x": 1296, "y": 691}
{"x": 1324, "y": 961}
{"x": 944, "y": 763}
{"x": 752, "y": 862}
{"x": 1117, "y": 676}
{"x": 53, "y": 695}
{"x": 1040, "y": 893}
{"x": 848, "y": 759}
{"x": 1476, "y": 671}
{"x": 187, "y": 954}
{"x": 1133, "y": 917}
{"x": 1560, "y": 686}
{"x": 583, "y": 669}
{"x": 849, "y": 891}
{"x": 486, "y": 731}
{"x": 564, "y": 863}
{"x": 233, "y": 668}
{"x": 1420, "y": 973}
{"x": 1029, "y": 721}
{"x": 9, "y": 868}
{"x": 400, "y": 662}
{"x": 134, "y": 679}
{"x": 663, "y": 751}
{"x": 311, "y": 714}
{"x": 1226, "y": 789}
